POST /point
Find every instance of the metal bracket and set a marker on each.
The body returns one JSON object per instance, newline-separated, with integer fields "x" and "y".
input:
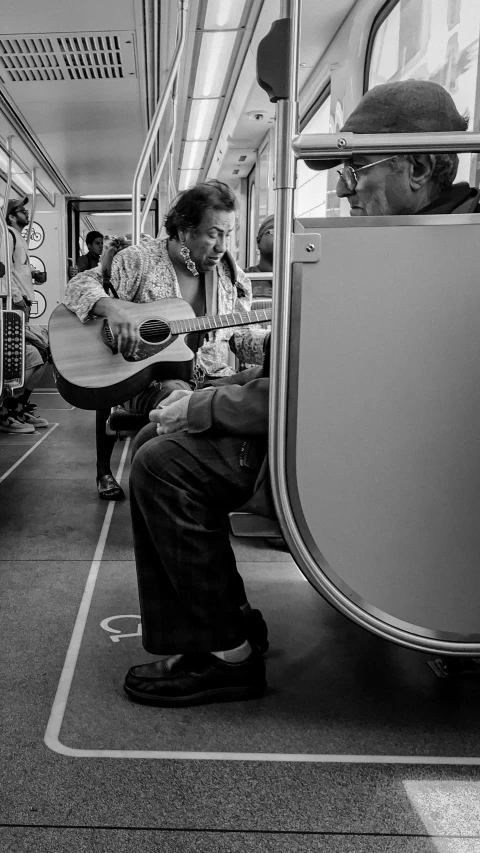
{"x": 306, "y": 248}
{"x": 455, "y": 667}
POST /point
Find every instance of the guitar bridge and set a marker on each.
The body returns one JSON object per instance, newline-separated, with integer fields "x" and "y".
{"x": 108, "y": 338}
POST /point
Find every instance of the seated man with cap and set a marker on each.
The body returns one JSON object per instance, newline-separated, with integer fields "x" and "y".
{"x": 404, "y": 183}
{"x": 19, "y": 415}
{"x": 205, "y": 452}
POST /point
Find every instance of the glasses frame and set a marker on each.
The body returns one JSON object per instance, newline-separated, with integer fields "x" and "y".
{"x": 351, "y": 180}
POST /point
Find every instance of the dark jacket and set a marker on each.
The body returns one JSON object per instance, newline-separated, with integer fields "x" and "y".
{"x": 238, "y": 404}
{"x": 87, "y": 262}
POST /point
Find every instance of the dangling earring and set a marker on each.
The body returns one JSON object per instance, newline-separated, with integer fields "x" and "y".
{"x": 185, "y": 253}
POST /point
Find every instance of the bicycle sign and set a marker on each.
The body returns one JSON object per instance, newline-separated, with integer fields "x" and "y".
{"x": 37, "y": 235}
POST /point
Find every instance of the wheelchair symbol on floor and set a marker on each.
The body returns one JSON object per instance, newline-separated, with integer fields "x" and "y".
{"x": 115, "y": 634}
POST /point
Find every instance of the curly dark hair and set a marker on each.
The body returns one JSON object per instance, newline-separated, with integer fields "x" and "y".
{"x": 91, "y": 236}
{"x": 188, "y": 209}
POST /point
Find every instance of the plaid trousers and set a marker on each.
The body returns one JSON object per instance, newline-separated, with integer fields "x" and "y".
{"x": 182, "y": 488}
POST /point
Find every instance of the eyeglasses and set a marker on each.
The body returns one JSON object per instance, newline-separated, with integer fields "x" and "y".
{"x": 349, "y": 175}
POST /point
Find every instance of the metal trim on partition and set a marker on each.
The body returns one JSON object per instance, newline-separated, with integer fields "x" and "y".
{"x": 288, "y": 278}
{"x": 157, "y": 118}
{"x": 318, "y": 570}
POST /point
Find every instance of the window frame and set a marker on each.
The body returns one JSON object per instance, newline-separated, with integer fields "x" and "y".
{"x": 325, "y": 92}
{"x": 378, "y": 20}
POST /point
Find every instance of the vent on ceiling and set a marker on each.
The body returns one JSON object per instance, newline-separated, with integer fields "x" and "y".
{"x": 83, "y": 56}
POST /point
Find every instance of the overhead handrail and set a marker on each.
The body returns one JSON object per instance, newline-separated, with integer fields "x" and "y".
{"x": 48, "y": 196}
{"x": 157, "y": 118}
{"x": 162, "y": 162}
{"x": 341, "y": 146}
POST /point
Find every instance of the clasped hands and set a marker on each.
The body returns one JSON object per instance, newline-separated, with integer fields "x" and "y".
{"x": 172, "y": 415}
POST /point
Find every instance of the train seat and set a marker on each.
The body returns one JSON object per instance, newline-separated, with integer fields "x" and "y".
{"x": 243, "y": 523}
{"x": 253, "y": 526}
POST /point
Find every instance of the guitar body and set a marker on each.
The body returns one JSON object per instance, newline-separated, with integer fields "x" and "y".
{"x": 89, "y": 375}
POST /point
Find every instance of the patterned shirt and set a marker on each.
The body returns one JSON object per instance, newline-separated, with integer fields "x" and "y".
{"x": 145, "y": 273}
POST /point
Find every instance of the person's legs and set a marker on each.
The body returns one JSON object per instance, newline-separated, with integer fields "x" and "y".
{"x": 182, "y": 488}
{"x": 107, "y": 486}
{"x": 18, "y": 415}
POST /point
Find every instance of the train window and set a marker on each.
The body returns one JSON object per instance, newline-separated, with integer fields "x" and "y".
{"x": 311, "y": 192}
{"x": 439, "y": 42}
{"x": 264, "y": 175}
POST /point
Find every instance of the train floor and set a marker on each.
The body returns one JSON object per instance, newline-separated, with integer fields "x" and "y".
{"x": 356, "y": 746}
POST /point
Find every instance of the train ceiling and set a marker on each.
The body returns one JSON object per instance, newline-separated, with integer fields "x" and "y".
{"x": 82, "y": 79}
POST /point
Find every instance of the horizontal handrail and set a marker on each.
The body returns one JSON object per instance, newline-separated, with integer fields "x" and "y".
{"x": 341, "y": 146}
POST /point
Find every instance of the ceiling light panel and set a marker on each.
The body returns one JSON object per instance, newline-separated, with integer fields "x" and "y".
{"x": 188, "y": 177}
{"x": 215, "y": 54}
{"x": 225, "y": 14}
{"x": 202, "y": 114}
{"x": 193, "y": 154}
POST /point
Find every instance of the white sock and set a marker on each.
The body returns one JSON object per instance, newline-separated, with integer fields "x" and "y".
{"x": 237, "y": 655}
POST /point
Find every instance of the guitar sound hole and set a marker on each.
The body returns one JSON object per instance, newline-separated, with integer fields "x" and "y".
{"x": 154, "y": 331}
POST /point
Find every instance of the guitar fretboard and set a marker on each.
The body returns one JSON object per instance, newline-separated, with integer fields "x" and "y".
{"x": 219, "y": 321}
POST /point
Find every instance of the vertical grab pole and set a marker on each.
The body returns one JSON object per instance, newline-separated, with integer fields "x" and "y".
{"x": 9, "y": 173}
{"x": 4, "y": 228}
{"x": 159, "y": 169}
{"x": 157, "y": 118}
{"x": 34, "y": 204}
{"x": 286, "y": 127}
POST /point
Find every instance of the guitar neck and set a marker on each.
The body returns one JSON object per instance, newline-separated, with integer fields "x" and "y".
{"x": 219, "y": 321}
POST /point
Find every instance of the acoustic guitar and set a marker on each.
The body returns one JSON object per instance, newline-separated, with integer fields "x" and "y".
{"x": 91, "y": 373}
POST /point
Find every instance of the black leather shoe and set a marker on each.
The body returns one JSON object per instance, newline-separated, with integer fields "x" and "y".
{"x": 257, "y": 631}
{"x": 195, "y": 679}
{"x": 108, "y": 489}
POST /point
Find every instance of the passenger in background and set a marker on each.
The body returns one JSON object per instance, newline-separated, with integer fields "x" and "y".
{"x": 94, "y": 241}
{"x": 262, "y": 289}
{"x": 265, "y": 246}
{"x": 18, "y": 414}
{"x": 191, "y": 263}
{"x": 205, "y": 452}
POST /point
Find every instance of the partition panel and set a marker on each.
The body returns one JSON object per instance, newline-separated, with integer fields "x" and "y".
{"x": 383, "y": 417}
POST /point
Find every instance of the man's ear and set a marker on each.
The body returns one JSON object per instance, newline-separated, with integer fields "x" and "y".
{"x": 421, "y": 169}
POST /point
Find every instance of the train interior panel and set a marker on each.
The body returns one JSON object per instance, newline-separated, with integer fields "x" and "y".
{"x": 352, "y": 314}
